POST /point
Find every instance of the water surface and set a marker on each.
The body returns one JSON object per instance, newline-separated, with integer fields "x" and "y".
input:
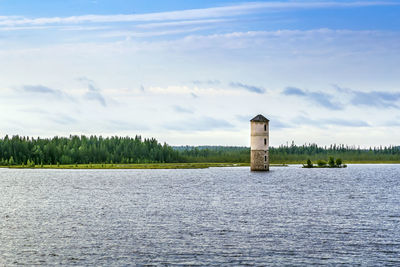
{"x": 216, "y": 216}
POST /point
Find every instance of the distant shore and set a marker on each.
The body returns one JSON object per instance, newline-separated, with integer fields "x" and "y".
{"x": 132, "y": 166}
{"x": 138, "y": 166}
{"x": 167, "y": 165}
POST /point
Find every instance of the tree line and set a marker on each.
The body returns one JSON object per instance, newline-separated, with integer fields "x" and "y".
{"x": 299, "y": 154}
{"x": 219, "y": 154}
{"x": 21, "y": 150}
{"x": 293, "y": 153}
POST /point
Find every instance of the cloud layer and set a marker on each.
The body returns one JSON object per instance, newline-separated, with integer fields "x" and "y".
{"x": 197, "y": 75}
{"x": 193, "y": 14}
{"x": 250, "y": 88}
{"x": 347, "y": 97}
{"x": 319, "y": 98}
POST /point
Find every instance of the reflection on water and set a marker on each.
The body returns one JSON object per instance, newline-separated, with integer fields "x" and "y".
{"x": 201, "y": 217}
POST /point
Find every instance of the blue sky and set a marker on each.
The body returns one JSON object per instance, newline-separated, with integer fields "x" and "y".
{"x": 195, "y": 72}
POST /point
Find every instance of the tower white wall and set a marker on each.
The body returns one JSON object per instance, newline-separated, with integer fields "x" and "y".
{"x": 259, "y": 143}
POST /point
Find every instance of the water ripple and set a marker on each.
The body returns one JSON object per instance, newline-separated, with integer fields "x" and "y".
{"x": 210, "y": 217}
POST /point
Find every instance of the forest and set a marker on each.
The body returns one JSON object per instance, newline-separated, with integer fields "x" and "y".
{"x": 21, "y": 150}
{"x": 290, "y": 154}
{"x": 82, "y": 150}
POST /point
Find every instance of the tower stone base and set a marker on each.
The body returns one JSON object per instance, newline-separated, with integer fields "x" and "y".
{"x": 259, "y": 160}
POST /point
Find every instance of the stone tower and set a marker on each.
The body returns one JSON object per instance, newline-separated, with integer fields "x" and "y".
{"x": 259, "y": 143}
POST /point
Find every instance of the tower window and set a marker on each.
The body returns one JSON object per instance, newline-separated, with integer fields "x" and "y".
{"x": 265, "y": 127}
{"x": 265, "y": 141}
{"x": 265, "y": 158}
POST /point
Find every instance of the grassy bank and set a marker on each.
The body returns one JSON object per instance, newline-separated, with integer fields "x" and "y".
{"x": 131, "y": 166}
{"x": 137, "y": 166}
{"x": 169, "y": 165}
{"x": 350, "y": 162}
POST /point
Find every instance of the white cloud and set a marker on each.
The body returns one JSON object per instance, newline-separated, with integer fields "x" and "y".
{"x": 137, "y": 34}
{"x": 54, "y": 27}
{"x": 214, "y": 12}
{"x": 180, "y": 23}
{"x": 199, "y": 91}
{"x": 195, "y": 124}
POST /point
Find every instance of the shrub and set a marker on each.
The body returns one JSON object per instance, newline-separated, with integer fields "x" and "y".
{"x": 309, "y": 163}
{"x": 339, "y": 162}
{"x": 331, "y": 162}
{"x": 30, "y": 164}
{"x": 321, "y": 163}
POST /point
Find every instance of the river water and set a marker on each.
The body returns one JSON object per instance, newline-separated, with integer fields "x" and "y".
{"x": 216, "y": 216}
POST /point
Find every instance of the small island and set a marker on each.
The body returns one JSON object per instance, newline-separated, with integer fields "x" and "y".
{"x": 332, "y": 163}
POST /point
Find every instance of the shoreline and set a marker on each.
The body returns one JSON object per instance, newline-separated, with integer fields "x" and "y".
{"x": 130, "y": 166}
{"x": 163, "y": 165}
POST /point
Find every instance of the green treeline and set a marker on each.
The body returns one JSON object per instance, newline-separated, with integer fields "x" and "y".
{"x": 292, "y": 154}
{"x": 299, "y": 154}
{"x": 19, "y": 150}
{"x": 221, "y": 154}
{"x": 82, "y": 150}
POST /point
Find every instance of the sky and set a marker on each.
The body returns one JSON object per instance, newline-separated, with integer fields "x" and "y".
{"x": 195, "y": 72}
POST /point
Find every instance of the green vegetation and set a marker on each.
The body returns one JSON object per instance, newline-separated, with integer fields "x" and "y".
{"x": 309, "y": 164}
{"x": 84, "y": 150}
{"x": 127, "y": 152}
{"x": 138, "y": 166}
{"x": 323, "y": 164}
{"x": 331, "y": 162}
{"x": 293, "y": 154}
{"x": 133, "y": 166}
{"x": 214, "y": 154}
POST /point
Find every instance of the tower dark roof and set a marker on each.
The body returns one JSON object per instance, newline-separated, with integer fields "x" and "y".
{"x": 259, "y": 118}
